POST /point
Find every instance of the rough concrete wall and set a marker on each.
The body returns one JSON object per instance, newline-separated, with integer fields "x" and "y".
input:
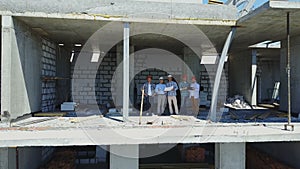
{"x": 270, "y": 73}
{"x": 23, "y": 75}
{"x": 48, "y": 71}
{"x": 240, "y": 74}
{"x": 295, "y": 75}
{"x": 287, "y": 152}
{"x": 63, "y": 71}
{"x": 30, "y": 157}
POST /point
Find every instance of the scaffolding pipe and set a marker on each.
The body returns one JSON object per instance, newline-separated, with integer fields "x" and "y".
{"x": 288, "y": 66}
{"x": 288, "y": 70}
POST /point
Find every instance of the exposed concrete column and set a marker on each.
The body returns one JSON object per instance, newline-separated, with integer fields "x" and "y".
{"x": 254, "y": 78}
{"x": 4, "y": 157}
{"x": 126, "y": 70}
{"x": 6, "y": 60}
{"x": 8, "y": 158}
{"x": 124, "y": 156}
{"x": 214, "y": 99}
{"x": 230, "y": 155}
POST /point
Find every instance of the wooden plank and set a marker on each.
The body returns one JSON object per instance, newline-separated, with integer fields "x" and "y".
{"x": 50, "y": 114}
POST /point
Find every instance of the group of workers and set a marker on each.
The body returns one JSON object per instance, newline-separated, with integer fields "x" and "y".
{"x": 169, "y": 91}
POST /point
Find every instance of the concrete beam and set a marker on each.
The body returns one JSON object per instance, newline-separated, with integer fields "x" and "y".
{"x": 230, "y": 155}
{"x": 124, "y": 156}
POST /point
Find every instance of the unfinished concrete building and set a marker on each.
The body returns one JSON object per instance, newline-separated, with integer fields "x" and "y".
{"x": 71, "y": 73}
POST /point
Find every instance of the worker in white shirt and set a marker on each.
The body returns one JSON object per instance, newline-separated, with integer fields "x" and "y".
{"x": 194, "y": 95}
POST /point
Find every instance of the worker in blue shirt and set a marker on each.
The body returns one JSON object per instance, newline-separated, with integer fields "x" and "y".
{"x": 184, "y": 93}
{"x": 172, "y": 94}
{"x": 161, "y": 95}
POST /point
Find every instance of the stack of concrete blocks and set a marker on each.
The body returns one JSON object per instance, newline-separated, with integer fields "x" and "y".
{"x": 104, "y": 79}
{"x": 94, "y": 89}
{"x": 48, "y": 71}
{"x": 207, "y": 79}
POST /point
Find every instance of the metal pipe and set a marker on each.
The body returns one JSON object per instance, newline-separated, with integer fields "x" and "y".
{"x": 288, "y": 67}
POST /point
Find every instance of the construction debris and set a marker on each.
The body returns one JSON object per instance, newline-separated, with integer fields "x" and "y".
{"x": 237, "y": 102}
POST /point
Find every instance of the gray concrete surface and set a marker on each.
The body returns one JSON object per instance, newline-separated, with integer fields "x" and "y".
{"x": 95, "y": 130}
{"x": 128, "y": 9}
{"x": 240, "y": 74}
{"x": 124, "y": 156}
{"x": 21, "y": 50}
{"x": 230, "y": 155}
{"x": 29, "y": 157}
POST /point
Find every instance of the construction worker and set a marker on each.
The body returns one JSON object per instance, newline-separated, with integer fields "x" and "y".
{"x": 172, "y": 94}
{"x": 184, "y": 93}
{"x": 194, "y": 95}
{"x": 149, "y": 91}
{"x": 161, "y": 95}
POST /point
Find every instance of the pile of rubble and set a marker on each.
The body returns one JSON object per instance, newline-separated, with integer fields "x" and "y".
{"x": 237, "y": 102}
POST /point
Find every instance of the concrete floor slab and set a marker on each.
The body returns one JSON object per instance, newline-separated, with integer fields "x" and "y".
{"x": 96, "y": 130}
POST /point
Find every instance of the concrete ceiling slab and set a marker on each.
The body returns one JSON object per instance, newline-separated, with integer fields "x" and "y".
{"x": 267, "y": 23}
{"x": 71, "y": 31}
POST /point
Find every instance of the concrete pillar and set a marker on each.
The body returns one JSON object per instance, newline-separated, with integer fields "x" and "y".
{"x": 124, "y": 156}
{"x": 119, "y": 84}
{"x": 254, "y": 78}
{"x": 126, "y": 66}
{"x": 7, "y": 158}
{"x": 7, "y": 32}
{"x": 230, "y": 155}
{"x": 4, "y": 157}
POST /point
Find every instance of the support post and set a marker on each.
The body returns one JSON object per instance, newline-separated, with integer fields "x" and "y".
{"x": 214, "y": 100}
{"x": 288, "y": 70}
{"x": 126, "y": 66}
{"x": 124, "y": 156}
{"x": 230, "y": 155}
{"x": 253, "y": 78}
{"x": 7, "y": 30}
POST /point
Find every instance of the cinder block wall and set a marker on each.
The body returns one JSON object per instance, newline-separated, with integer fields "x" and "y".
{"x": 102, "y": 89}
{"x": 48, "y": 64}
